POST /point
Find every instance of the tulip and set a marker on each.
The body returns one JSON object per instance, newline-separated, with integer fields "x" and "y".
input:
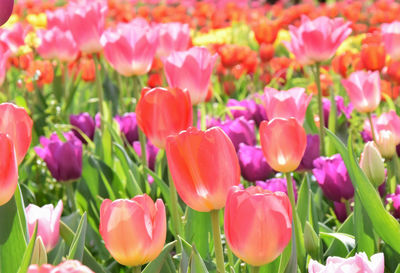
{"x": 16, "y": 122}
{"x": 173, "y": 37}
{"x": 391, "y": 39}
{"x": 85, "y": 123}
{"x": 86, "y": 22}
{"x": 203, "y": 165}
{"x": 133, "y": 231}
{"x": 247, "y": 109}
{"x": 63, "y": 159}
{"x": 340, "y": 211}
{"x": 57, "y": 44}
{"x": 356, "y": 264}
{"x": 371, "y": 163}
{"x": 130, "y": 48}
{"x": 252, "y": 163}
{"x": 341, "y": 108}
{"x": 317, "y": 40}
{"x": 277, "y": 184}
{"x": 151, "y": 153}
{"x": 394, "y": 200}
{"x": 4, "y": 54}
{"x": 311, "y": 153}
{"x": 240, "y": 131}
{"x": 333, "y": 178}
{"x": 6, "y": 8}
{"x": 8, "y": 169}
{"x": 162, "y": 112}
{"x": 258, "y": 224}
{"x": 364, "y": 90}
{"x": 192, "y": 70}
{"x": 283, "y": 142}
{"x": 48, "y": 220}
{"x": 373, "y": 56}
{"x": 386, "y": 142}
{"x": 58, "y": 18}
{"x": 389, "y": 121}
{"x": 266, "y": 31}
{"x": 286, "y": 104}
{"x": 70, "y": 266}
{"x": 14, "y": 37}
{"x": 128, "y": 126}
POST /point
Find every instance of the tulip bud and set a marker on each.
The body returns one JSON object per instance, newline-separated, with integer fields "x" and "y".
{"x": 371, "y": 163}
{"x": 311, "y": 241}
{"x": 386, "y": 143}
{"x": 39, "y": 255}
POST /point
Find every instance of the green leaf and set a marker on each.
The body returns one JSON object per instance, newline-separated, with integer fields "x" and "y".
{"x": 336, "y": 248}
{"x": 196, "y": 263}
{"x": 198, "y": 230}
{"x": 345, "y": 239}
{"x": 291, "y": 266}
{"x": 156, "y": 265}
{"x": 363, "y": 228}
{"x": 302, "y": 201}
{"x": 385, "y": 225}
{"x": 78, "y": 243}
{"x": 26, "y": 260}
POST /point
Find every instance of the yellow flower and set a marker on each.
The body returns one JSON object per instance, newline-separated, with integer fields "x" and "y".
{"x": 37, "y": 20}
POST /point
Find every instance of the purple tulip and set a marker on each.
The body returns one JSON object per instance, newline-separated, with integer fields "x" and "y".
{"x": 277, "y": 184}
{"x": 6, "y": 8}
{"x": 128, "y": 126}
{"x": 240, "y": 131}
{"x": 252, "y": 162}
{"x": 63, "y": 159}
{"x": 151, "y": 153}
{"x": 340, "y": 108}
{"x": 394, "y": 200}
{"x": 85, "y": 123}
{"x": 210, "y": 121}
{"x": 333, "y": 178}
{"x": 340, "y": 211}
{"x": 97, "y": 120}
{"x": 311, "y": 153}
{"x": 247, "y": 109}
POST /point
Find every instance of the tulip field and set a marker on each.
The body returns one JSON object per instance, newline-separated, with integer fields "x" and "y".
{"x": 215, "y": 136}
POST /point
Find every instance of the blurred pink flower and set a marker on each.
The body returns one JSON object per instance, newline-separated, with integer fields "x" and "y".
{"x": 57, "y": 44}
{"x": 173, "y": 37}
{"x": 391, "y": 39}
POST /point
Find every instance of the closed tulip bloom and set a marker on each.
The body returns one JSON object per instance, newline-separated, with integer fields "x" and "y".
{"x": 389, "y": 121}
{"x": 4, "y": 54}
{"x": 6, "y": 8}
{"x": 277, "y": 184}
{"x": 248, "y": 109}
{"x": 311, "y": 153}
{"x": 240, "y": 131}
{"x": 57, "y": 44}
{"x": 204, "y": 166}
{"x": 86, "y": 22}
{"x": 162, "y": 112}
{"x": 386, "y": 142}
{"x": 48, "y": 219}
{"x": 128, "y": 126}
{"x": 371, "y": 162}
{"x": 391, "y": 39}
{"x": 130, "y": 48}
{"x": 252, "y": 163}
{"x": 85, "y": 123}
{"x": 190, "y": 70}
{"x": 172, "y": 37}
{"x": 356, "y": 264}
{"x": 133, "y": 231}
{"x": 333, "y": 178}
{"x": 63, "y": 159}
{"x": 57, "y": 18}
{"x": 8, "y": 169}
{"x": 16, "y": 122}
{"x": 317, "y": 40}
{"x": 151, "y": 153}
{"x": 283, "y": 142}
{"x": 364, "y": 90}
{"x": 286, "y": 104}
{"x": 258, "y": 224}
{"x": 373, "y": 56}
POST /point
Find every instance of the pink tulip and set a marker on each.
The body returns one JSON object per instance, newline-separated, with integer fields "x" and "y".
{"x": 130, "y": 48}
{"x": 57, "y": 18}
{"x": 48, "y": 219}
{"x": 4, "y": 54}
{"x": 173, "y": 37}
{"x": 389, "y": 121}
{"x": 317, "y": 40}
{"x": 191, "y": 70}
{"x": 364, "y": 90}
{"x": 14, "y": 37}
{"x": 391, "y": 39}
{"x": 57, "y": 44}
{"x": 8, "y": 169}
{"x": 86, "y": 22}
{"x": 70, "y": 266}
{"x": 286, "y": 104}
{"x": 356, "y": 264}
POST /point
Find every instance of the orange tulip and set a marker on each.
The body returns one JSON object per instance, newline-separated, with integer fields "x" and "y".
{"x": 266, "y": 31}
{"x": 8, "y": 169}
{"x": 258, "y": 224}
{"x": 203, "y": 165}
{"x": 16, "y": 122}
{"x": 162, "y": 112}
{"x": 373, "y": 56}
{"x": 283, "y": 142}
{"x": 133, "y": 231}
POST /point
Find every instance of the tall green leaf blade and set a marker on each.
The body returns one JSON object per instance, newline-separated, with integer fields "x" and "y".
{"x": 78, "y": 243}
{"x": 156, "y": 265}
{"x": 26, "y": 260}
{"x": 363, "y": 228}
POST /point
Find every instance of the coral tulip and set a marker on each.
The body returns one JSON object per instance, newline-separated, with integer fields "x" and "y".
{"x": 16, "y": 122}
{"x": 48, "y": 219}
{"x": 373, "y": 56}
{"x": 191, "y": 70}
{"x": 203, "y": 165}
{"x": 172, "y": 37}
{"x": 364, "y": 90}
{"x": 57, "y": 44}
{"x": 391, "y": 39}
{"x": 283, "y": 142}
{"x": 6, "y": 8}
{"x": 8, "y": 169}
{"x": 258, "y": 224}
{"x": 133, "y": 231}
{"x": 162, "y": 112}
{"x": 286, "y": 104}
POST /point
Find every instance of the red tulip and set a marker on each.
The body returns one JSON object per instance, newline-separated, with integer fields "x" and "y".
{"x": 203, "y": 165}
{"x": 283, "y": 142}
{"x": 162, "y": 112}
{"x": 258, "y": 224}
{"x": 133, "y": 231}
{"x": 8, "y": 169}
{"x": 16, "y": 122}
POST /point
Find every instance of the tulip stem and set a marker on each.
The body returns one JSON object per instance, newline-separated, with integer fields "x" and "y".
{"x": 70, "y": 195}
{"x": 142, "y": 140}
{"x": 219, "y": 253}
{"x": 320, "y": 109}
{"x": 203, "y": 121}
{"x": 296, "y": 220}
{"x": 174, "y": 210}
{"x": 136, "y": 269}
{"x": 99, "y": 88}
{"x": 254, "y": 269}
{"x": 372, "y": 127}
{"x": 195, "y": 115}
